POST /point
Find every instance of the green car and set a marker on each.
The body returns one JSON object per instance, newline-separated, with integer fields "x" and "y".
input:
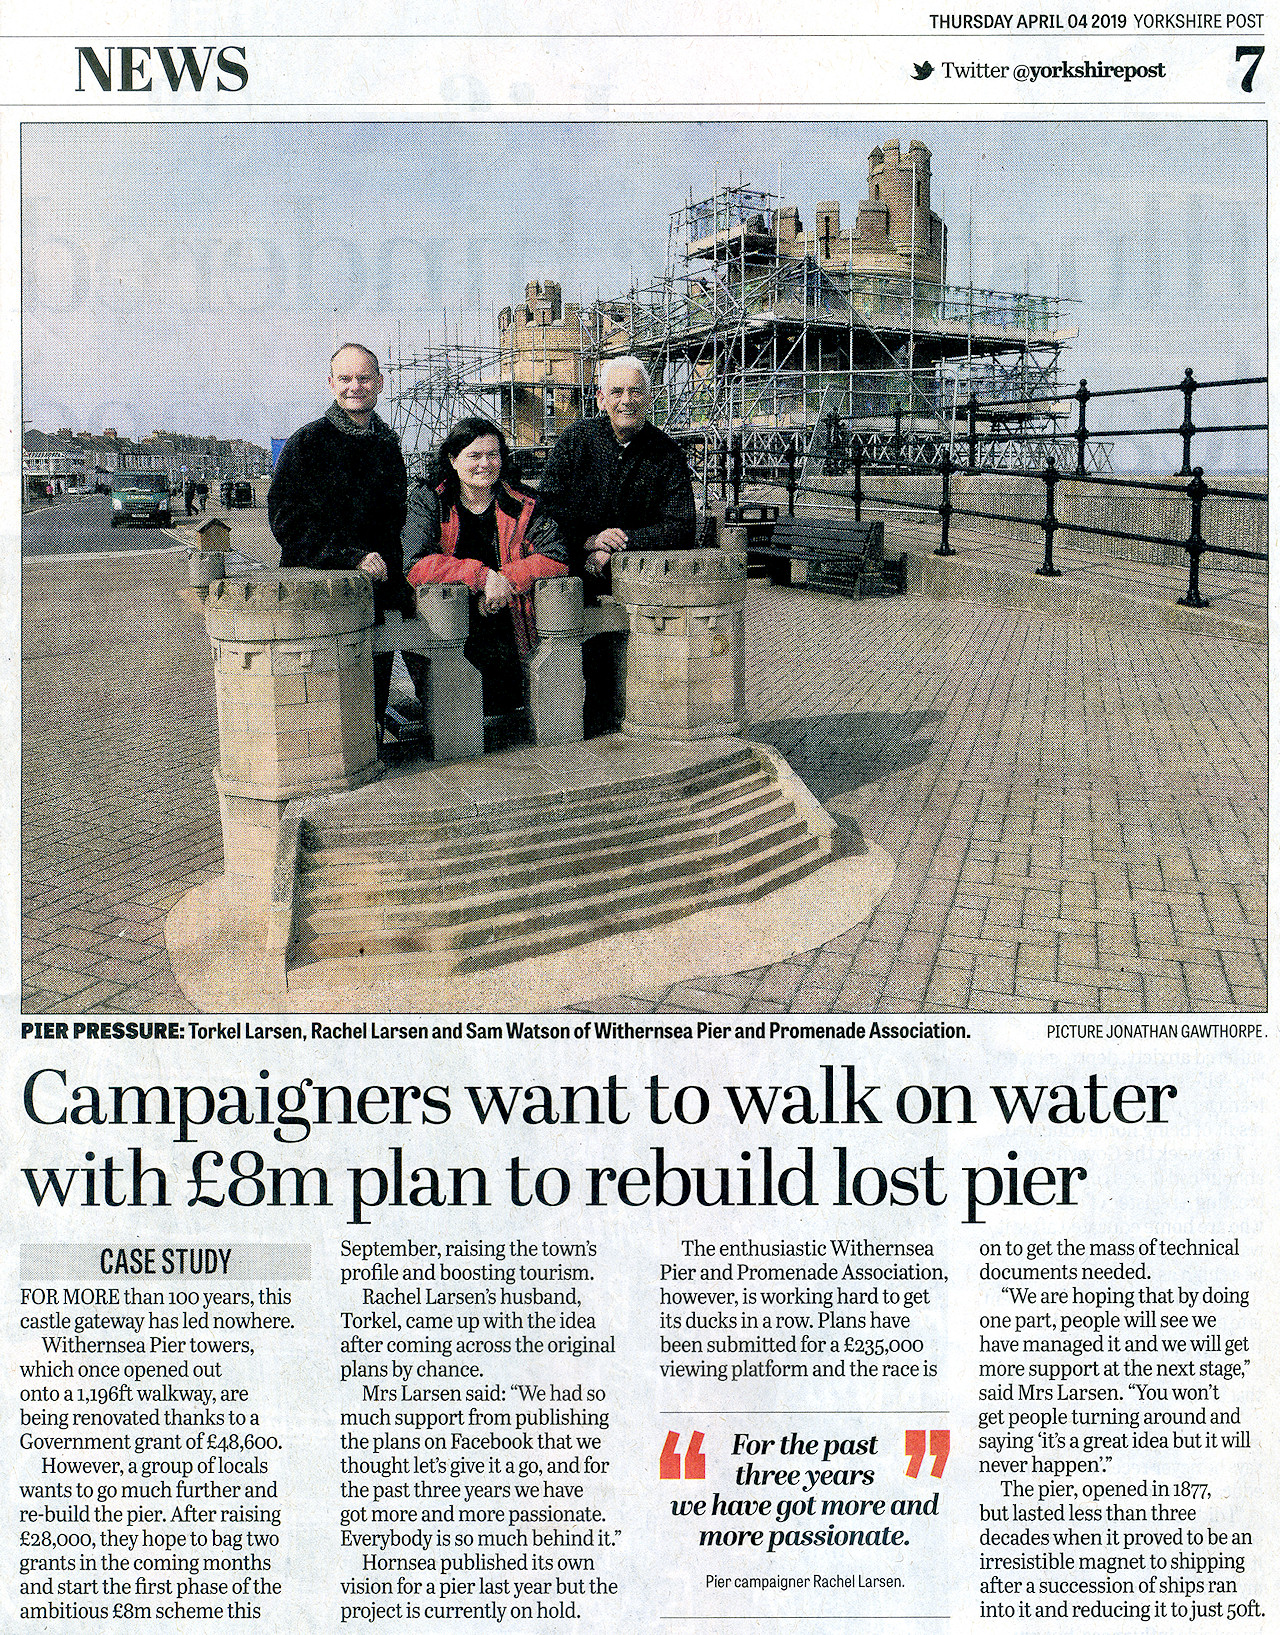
{"x": 140, "y": 496}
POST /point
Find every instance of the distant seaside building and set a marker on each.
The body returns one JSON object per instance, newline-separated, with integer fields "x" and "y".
{"x": 82, "y": 459}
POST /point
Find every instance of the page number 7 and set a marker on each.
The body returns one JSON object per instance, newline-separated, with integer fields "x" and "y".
{"x": 1254, "y": 51}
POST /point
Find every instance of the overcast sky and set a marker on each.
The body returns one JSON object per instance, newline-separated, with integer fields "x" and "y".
{"x": 195, "y": 276}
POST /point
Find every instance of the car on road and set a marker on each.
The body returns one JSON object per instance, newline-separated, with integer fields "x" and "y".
{"x": 142, "y": 497}
{"x": 233, "y": 494}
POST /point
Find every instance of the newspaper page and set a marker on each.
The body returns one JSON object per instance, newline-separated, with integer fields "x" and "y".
{"x": 804, "y": 1163}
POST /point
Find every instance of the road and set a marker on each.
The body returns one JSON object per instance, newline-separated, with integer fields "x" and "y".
{"x": 76, "y": 526}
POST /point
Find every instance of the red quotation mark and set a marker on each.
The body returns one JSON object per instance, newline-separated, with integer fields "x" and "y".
{"x": 695, "y": 1461}
{"x": 939, "y": 1446}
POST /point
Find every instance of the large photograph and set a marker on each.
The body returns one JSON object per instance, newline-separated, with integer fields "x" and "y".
{"x": 652, "y": 567}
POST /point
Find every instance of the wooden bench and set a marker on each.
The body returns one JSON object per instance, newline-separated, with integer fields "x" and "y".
{"x": 838, "y": 555}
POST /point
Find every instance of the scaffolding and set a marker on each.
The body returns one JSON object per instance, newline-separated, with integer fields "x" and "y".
{"x": 755, "y": 334}
{"x": 746, "y": 341}
{"x": 533, "y": 384}
{"x": 435, "y": 387}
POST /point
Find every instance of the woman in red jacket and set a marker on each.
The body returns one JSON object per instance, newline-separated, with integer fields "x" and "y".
{"x": 469, "y": 524}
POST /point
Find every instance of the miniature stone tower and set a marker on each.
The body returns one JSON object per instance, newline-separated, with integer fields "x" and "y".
{"x": 293, "y": 668}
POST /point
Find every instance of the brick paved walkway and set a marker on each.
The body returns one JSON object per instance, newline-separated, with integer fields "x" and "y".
{"x": 119, "y": 813}
{"x": 1078, "y": 812}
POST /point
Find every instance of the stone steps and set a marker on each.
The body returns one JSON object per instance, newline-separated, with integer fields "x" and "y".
{"x": 489, "y": 940}
{"x": 625, "y": 797}
{"x": 533, "y": 875}
{"x": 338, "y": 872}
{"x": 466, "y": 908}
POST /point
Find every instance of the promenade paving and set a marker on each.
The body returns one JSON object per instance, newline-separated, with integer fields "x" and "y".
{"x": 1077, "y": 809}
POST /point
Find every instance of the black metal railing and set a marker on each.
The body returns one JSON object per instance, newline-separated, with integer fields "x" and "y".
{"x": 1024, "y": 439}
{"x": 1187, "y": 429}
{"x": 1052, "y": 457}
{"x": 1051, "y": 524}
{"x": 737, "y": 461}
{"x": 1084, "y": 436}
{"x": 1024, "y": 434}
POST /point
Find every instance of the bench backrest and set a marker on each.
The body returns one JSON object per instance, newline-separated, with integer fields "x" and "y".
{"x": 830, "y": 535}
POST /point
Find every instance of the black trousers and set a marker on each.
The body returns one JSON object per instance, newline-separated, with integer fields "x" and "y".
{"x": 491, "y": 648}
{"x": 382, "y": 666}
{"x": 397, "y": 596}
{"x": 604, "y": 677}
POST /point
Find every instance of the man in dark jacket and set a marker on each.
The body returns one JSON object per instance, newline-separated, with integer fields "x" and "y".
{"x": 339, "y": 494}
{"x": 615, "y": 482}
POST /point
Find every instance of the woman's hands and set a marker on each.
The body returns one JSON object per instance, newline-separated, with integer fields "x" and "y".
{"x": 499, "y": 592}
